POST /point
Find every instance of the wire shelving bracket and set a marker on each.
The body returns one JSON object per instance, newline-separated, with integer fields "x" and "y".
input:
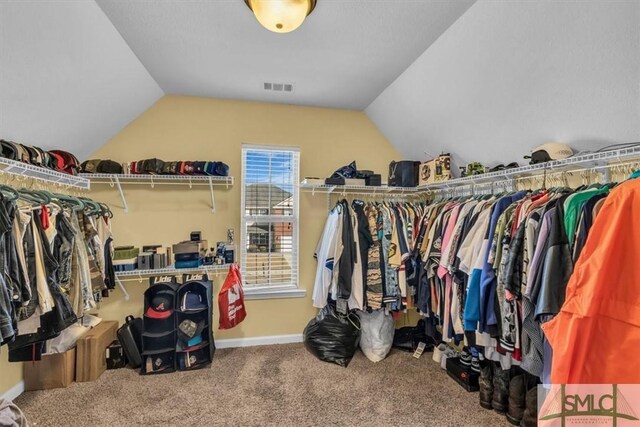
{"x": 119, "y": 180}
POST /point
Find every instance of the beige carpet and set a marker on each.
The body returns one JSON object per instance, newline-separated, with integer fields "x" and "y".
{"x": 268, "y": 386}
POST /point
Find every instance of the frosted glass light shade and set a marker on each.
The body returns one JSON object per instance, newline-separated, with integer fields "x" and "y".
{"x": 281, "y": 16}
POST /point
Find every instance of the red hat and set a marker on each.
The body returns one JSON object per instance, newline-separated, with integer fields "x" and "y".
{"x": 161, "y": 307}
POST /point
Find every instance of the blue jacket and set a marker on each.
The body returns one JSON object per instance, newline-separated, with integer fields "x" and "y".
{"x": 488, "y": 280}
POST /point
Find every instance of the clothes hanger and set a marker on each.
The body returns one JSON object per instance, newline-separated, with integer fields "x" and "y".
{"x": 106, "y": 210}
{"x": 11, "y": 193}
{"x": 36, "y": 198}
{"x": 74, "y": 203}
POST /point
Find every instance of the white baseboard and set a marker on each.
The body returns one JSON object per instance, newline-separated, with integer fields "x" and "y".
{"x": 255, "y": 341}
{"x": 14, "y": 391}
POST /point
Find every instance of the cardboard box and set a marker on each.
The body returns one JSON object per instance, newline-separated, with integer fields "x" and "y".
{"x": 53, "y": 371}
{"x": 91, "y": 350}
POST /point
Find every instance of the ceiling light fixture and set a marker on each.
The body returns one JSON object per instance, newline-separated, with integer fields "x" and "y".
{"x": 281, "y": 16}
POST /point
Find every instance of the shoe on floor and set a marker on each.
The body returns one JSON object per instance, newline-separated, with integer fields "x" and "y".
{"x": 517, "y": 395}
{"x": 500, "y": 400}
{"x": 448, "y": 353}
{"x": 465, "y": 358}
{"x": 530, "y": 415}
{"x": 486, "y": 385}
{"x": 438, "y": 351}
{"x": 475, "y": 365}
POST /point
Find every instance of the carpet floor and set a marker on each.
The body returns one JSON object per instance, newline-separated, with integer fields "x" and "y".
{"x": 279, "y": 385}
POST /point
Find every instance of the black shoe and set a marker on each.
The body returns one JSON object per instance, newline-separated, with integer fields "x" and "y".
{"x": 475, "y": 365}
{"x": 486, "y": 385}
{"x": 517, "y": 393}
{"x": 500, "y": 401}
{"x": 465, "y": 358}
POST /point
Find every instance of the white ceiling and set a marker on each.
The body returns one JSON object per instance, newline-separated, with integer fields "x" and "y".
{"x": 344, "y": 55}
{"x": 510, "y": 75}
{"x": 67, "y": 79}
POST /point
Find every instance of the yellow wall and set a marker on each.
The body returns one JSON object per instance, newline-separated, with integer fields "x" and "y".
{"x": 190, "y": 128}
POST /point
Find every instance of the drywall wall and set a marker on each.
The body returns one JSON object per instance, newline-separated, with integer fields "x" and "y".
{"x": 178, "y": 128}
{"x": 185, "y": 128}
{"x": 67, "y": 78}
{"x": 508, "y": 76}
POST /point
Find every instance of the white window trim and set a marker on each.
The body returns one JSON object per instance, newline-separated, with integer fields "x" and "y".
{"x": 259, "y": 292}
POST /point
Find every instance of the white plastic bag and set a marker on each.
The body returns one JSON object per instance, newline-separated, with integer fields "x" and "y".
{"x": 376, "y": 334}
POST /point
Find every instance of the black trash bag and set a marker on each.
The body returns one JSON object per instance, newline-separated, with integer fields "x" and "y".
{"x": 408, "y": 337}
{"x": 348, "y": 171}
{"x": 333, "y": 337}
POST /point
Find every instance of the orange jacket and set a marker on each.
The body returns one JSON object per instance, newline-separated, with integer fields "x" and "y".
{"x": 596, "y": 336}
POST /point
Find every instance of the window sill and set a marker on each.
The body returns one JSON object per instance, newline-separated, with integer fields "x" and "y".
{"x": 277, "y": 293}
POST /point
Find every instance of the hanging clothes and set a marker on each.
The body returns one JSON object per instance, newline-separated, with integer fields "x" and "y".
{"x": 603, "y": 295}
{"x": 40, "y": 295}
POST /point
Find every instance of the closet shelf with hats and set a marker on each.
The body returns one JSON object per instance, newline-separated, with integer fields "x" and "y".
{"x": 119, "y": 180}
{"x": 580, "y": 163}
{"x": 47, "y": 176}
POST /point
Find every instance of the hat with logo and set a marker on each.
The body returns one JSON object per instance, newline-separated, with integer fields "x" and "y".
{"x": 161, "y": 306}
{"x": 190, "y": 333}
{"x": 193, "y": 359}
{"x": 193, "y": 301}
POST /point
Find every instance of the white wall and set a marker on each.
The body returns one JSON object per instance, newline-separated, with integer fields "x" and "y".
{"x": 67, "y": 78}
{"x": 510, "y": 75}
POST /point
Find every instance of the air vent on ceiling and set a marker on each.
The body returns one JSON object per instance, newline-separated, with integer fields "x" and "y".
{"x": 278, "y": 87}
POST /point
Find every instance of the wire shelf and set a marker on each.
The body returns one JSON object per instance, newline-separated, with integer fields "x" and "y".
{"x": 582, "y": 161}
{"x": 42, "y": 174}
{"x": 355, "y": 189}
{"x": 143, "y": 179}
{"x": 170, "y": 271}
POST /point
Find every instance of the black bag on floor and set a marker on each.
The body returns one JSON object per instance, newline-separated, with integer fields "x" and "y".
{"x": 130, "y": 337}
{"x": 408, "y": 337}
{"x": 333, "y": 337}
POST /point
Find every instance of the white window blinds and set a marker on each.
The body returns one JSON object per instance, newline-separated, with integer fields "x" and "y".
{"x": 269, "y": 240}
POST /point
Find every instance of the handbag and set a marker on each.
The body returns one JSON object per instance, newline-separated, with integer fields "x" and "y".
{"x": 403, "y": 173}
{"x": 231, "y": 299}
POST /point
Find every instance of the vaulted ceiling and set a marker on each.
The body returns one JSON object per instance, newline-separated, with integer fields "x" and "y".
{"x": 484, "y": 80}
{"x": 343, "y": 56}
{"x": 73, "y": 73}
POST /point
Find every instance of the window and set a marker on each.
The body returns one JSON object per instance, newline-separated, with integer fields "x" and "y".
{"x": 269, "y": 241}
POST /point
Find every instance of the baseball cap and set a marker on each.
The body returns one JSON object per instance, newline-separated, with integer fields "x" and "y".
{"x": 550, "y": 151}
{"x": 157, "y": 364}
{"x": 193, "y": 344}
{"x": 190, "y": 332}
{"x": 161, "y": 306}
{"x": 193, "y": 301}
{"x": 192, "y": 359}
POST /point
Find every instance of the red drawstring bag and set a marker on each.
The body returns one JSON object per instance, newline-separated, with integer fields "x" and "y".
{"x": 231, "y": 299}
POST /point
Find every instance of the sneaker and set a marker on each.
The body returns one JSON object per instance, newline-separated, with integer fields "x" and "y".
{"x": 475, "y": 365}
{"x": 465, "y": 358}
{"x": 448, "y": 353}
{"x": 438, "y": 351}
